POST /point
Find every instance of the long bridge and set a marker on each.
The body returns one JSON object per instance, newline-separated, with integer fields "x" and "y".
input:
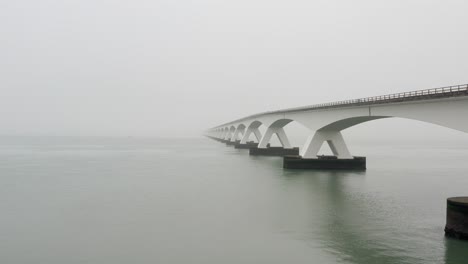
{"x": 446, "y": 106}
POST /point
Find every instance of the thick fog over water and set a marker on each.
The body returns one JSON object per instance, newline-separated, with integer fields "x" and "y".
{"x": 92, "y": 92}
{"x": 174, "y": 68}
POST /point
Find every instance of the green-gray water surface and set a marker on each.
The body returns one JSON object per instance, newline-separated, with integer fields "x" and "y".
{"x": 104, "y": 200}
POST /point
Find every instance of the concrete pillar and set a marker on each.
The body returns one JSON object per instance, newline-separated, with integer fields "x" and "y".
{"x": 238, "y": 131}
{"x": 257, "y": 134}
{"x": 457, "y": 217}
{"x": 248, "y": 132}
{"x": 246, "y": 135}
{"x": 231, "y": 134}
{"x": 266, "y": 138}
{"x": 227, "y": 136}
{"x": 283, "y": 138}
{"x": 334, "y": 139}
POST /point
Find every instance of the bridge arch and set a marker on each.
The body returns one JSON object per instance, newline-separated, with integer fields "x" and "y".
{"x": 239, "y": 130}
{"x": 280, "y": 123}
{"x": 252, "y": 127}
{"x": 329, "y": 129}
{"x": 254, "y": 124}
{"x": 276, "y": 127}
{"x": 345, "y": 123}
{"x": 240, "y": 126}
{"x": 227, "y": 133}
{"x": 331, "y": 132}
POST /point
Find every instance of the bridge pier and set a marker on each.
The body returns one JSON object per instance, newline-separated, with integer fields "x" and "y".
{"x": 279, "y": 131}
{"x": 232, "y": 143}
{"x": 235, "y": 137}
{"x": 324, "y": 163}
{"x": 334, "y": 139}
{"x": 273, "y": 151}
{"x": 309, "y": 158}
{"x": 228, "y": 135}
{"x": 249, "y": 131}
{"x": 247, "y": 145}
{"x": 457, "y": 218}
{"x": 264, "y": 148}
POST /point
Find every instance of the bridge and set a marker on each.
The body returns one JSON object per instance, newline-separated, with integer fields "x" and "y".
{"x": 446, "y": 106}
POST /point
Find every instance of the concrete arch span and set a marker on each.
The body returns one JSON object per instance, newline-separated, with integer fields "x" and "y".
{"x": 277, "y": 128}
{"x": 331, "y": 133}
{"x": 327, "y": 126}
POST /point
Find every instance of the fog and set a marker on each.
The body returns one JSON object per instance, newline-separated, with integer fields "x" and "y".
{"x": 167, "y": 68}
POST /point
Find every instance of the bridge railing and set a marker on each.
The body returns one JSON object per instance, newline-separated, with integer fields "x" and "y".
{"x": 450, "y": 91}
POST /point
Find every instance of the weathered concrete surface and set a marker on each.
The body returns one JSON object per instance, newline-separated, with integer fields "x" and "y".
{"x": 457, "y": 218}
{"x": 324, "y": 163}
{"x": 274, "y": 151}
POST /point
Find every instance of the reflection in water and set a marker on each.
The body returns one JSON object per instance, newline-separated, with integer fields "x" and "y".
{"x": 348, "y": 225}
{"x": 456, "y": 251}
{"x": 197, "y": 201}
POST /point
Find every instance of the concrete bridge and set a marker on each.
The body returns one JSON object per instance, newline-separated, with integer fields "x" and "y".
{"x": 447, "y": 106}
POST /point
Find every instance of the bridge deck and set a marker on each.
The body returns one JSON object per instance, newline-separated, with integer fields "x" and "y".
{"x": 420, "y": 95}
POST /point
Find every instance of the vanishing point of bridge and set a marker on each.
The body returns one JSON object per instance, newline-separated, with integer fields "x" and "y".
{"x": 447, "y": 106}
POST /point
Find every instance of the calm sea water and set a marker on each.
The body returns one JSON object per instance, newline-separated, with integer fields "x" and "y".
{"x": 103, "y": 200}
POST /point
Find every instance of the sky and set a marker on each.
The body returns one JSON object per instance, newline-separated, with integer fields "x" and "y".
{"x": 173, "y": 68}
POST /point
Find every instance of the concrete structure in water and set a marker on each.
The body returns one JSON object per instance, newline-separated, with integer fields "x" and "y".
{"x": 447, "y": 106}
{"x": 324, "y": 163}
{"x": 457, "y": 218}
{"x": 232, "y": 143}
{"x": 247, "y": 145}
{"x": 273, "y": 151}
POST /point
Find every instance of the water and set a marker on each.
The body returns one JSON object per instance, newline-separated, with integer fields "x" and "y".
{"x": 104, "y": 200}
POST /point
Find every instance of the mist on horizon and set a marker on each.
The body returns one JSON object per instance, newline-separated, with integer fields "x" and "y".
{"x": 175, "y": 68}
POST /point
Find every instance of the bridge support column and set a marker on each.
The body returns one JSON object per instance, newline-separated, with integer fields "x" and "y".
{"x": 279, "y": 133}
{"x": 334, "y": 139}
{"x": 244, "y": 143}
{"x": 247, "y": 134}
{"x": 457, "y": 217}
{"x": 236, "y": 134}
{"x": 265, "y": 150}
{"x": 227, "y": 136}
{"x": 222, "y": 137}
{"x": 308, "y": 159}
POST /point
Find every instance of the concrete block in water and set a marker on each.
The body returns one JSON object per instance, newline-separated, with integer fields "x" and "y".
{"x": 457, "y": 218}
{"x": 232, "y": 143}
{"x": 273, "y": 151}
{"x": 324, "y": 163}
{"x": 247, "y": 145}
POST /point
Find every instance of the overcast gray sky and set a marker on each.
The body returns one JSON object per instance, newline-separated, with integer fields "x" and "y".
{"x": 176, "y": 67}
